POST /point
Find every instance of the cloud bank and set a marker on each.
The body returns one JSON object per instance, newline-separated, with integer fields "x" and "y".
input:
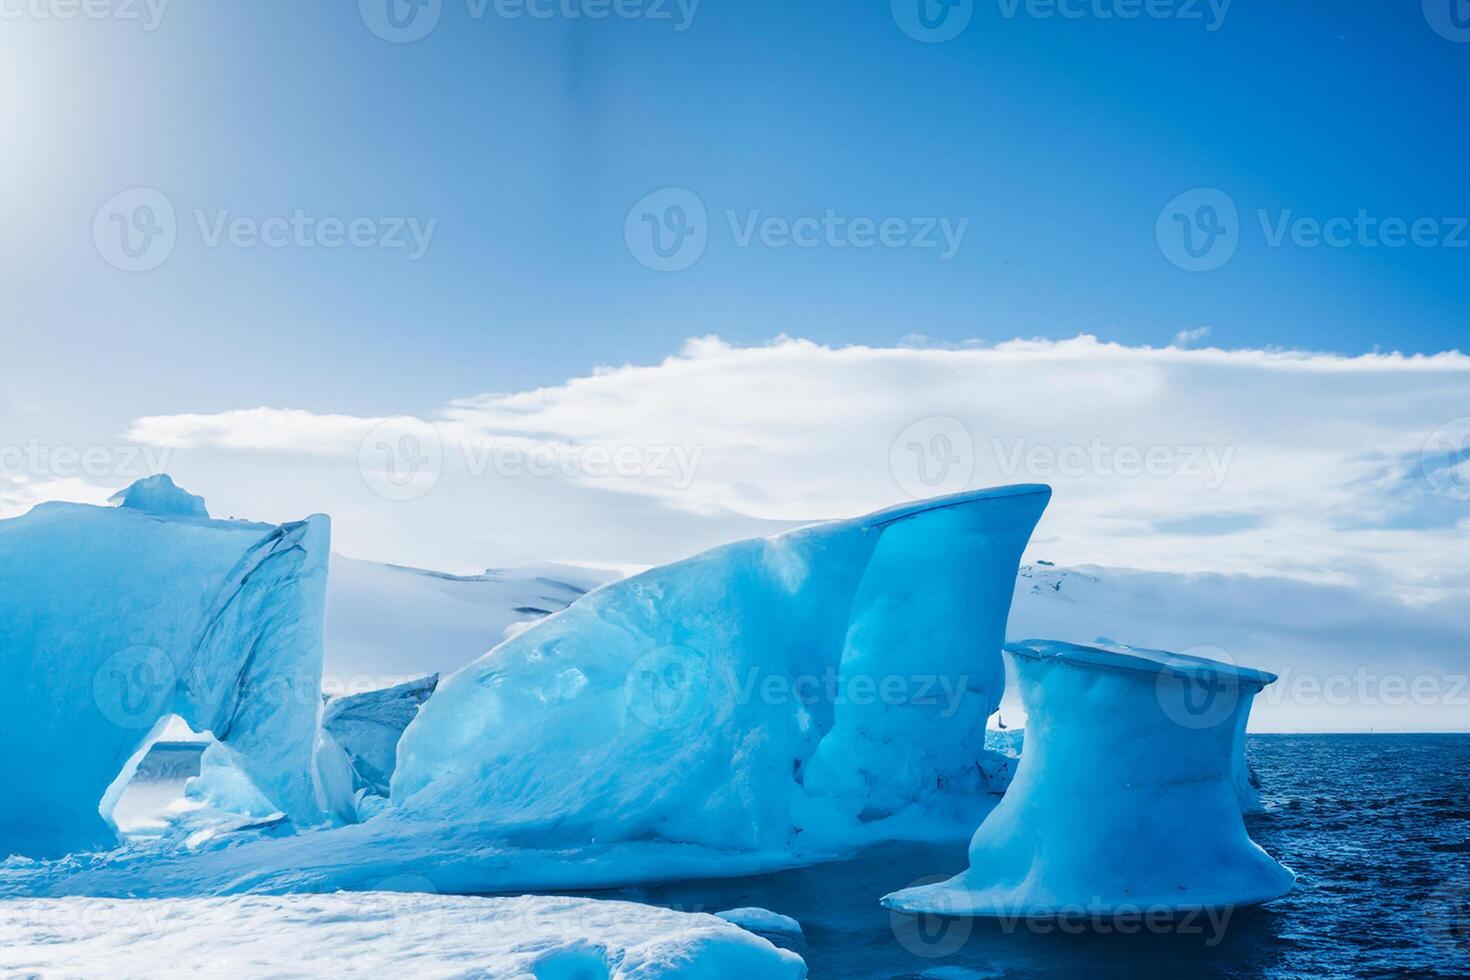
{"x": 1299, "y": 464}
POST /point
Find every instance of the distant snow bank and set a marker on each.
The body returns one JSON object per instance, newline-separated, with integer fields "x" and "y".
{"x": 379, "y": 933}
{"x": 388, "y": 624}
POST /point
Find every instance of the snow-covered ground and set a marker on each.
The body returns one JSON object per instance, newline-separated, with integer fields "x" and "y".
{"x": 387, "y": 623}
{"x": 380, "y": 933}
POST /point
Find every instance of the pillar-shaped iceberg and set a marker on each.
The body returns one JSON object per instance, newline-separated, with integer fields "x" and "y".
{"x": 114, "y": 619}
{"x": 1125, "y": 798}
{"x": 772, "y": 687}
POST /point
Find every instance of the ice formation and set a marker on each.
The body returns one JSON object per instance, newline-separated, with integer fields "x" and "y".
{"x": 114, "y": 619}
{"x": 1000, "y": 757}
{"x": 368, "y": 726}
{"x": 382, "y": 933}
{"x": 794, "y": 685}
{"x": 1125, "y": 798}
{"x": 220, "y": 785}
{"x": 767, "y": 924}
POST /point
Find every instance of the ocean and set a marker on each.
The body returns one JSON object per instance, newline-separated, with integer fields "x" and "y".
{"x": 1377, "y": 828}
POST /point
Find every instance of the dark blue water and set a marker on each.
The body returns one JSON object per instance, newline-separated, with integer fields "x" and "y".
{"x": 1377, "y": 828}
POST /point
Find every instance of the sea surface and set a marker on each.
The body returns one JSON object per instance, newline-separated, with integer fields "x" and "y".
{"x": 1377, "y": 828}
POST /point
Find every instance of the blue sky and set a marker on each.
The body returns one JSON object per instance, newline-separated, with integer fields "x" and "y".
{"x": 247, "y": 238}
{"x": 528, "y": 140}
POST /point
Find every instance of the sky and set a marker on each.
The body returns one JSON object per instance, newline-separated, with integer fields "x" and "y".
{"x": 602, "y": 282}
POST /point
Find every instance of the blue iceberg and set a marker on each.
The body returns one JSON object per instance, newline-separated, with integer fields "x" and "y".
{"x": 763, "y": 696}
{"x": 113, "y": 620}
{"x": 1125, "y": 800}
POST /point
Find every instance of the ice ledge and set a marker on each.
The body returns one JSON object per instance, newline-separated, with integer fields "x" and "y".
{"x": 1141, "y": 659}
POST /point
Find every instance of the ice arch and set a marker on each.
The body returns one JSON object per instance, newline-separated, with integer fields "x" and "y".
{"x": 1125, "y": 799}
{"x": 114, "y": 619}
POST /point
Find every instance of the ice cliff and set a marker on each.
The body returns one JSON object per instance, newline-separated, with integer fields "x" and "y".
{"x": 114, "y": 619}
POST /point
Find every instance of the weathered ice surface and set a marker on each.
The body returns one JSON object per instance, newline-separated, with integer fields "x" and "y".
{"x": 113, "y": 619}
{"x": 1125, "y": 798}
{"x": 667, "y": 706}
{"x": 772, "y": 702}
{"x": 368, "y": 726}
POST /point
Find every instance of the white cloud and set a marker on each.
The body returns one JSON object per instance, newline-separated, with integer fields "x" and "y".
{"x": 1278, "y": 462}
{"x": 277, "y": 429}
{"x": 1188, "y": 338}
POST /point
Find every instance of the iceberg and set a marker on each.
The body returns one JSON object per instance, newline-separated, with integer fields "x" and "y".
{"x": 802, "y": 684}
{"x": 673, "y": 723}
{"x": 1125, "y": 798}
{"x": 368, "y": 726}
{"x": 380, "y": 933}
{"x": 113, "y": 620}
